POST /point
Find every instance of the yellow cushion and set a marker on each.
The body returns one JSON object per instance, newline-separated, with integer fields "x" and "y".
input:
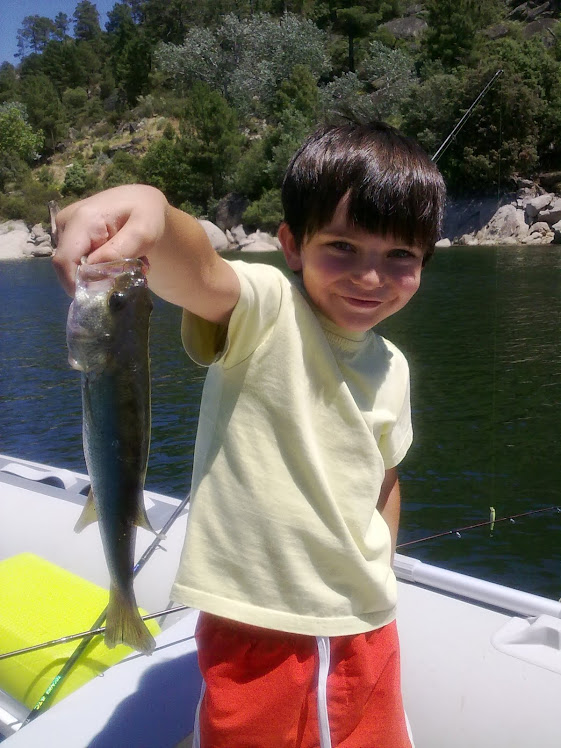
{"x": 40, "y": 601}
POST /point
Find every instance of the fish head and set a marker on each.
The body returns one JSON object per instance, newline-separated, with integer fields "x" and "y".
{"x": 110, "y": 298}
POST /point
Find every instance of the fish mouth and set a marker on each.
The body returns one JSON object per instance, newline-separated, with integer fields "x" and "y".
{"x": 102, "y": 271}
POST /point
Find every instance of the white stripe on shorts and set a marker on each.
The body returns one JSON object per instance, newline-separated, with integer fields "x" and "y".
{"x": 324, "y": 652}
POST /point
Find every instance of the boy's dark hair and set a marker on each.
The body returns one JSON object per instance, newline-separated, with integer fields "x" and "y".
{"x": 393, "y": 186}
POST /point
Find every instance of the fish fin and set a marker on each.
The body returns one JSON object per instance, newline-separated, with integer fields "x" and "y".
{"x": 89, "y": 514}
{"x": 141, "y": 520}
{"x": 124, "y": 624}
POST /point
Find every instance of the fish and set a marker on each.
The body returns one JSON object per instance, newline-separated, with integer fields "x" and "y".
{"x": 107, "y": 334}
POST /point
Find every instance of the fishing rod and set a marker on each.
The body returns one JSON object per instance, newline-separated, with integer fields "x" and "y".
{"x": 491, "y": 522}
{"x": 85, "y": 635}
{"x": 96, "y": 628}
{"x": 463, "y": 120}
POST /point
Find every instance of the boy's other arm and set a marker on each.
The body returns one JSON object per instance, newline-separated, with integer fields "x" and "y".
{"x": 389, "y": 504}
{"x": 137, "y": 221}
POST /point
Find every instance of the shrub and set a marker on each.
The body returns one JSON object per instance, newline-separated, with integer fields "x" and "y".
{"x": 13, "y": 170}
{"x": 17, "y": 137}
{"x": 30, "y": 203}
{"x": 115, "y": 176}
{"x": 125, "y": 161}
{"x": 265, "y": 213}
{"x": 75, "y": 180}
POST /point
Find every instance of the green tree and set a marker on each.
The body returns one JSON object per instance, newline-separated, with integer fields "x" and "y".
{"x": 164, "y": 167}
{"x": 514, "y": 130}
{"x": 133, "y": 68}
{"x": 166, "y": 20}
{"x": 120, "y": 21}
{"x": 355, "y": 22}
{"x": 9, "y": 83}
{"x": 389, "y": 75}
{"x": 262, "y": 166}
{"x": 211, "y": 143}
{"x": 62, "y": 25}
{"x": 432, "y": 108}
{"x": 35, "y": 33}
{"x": 68, "y": 64}
{"x": 298, "y": 92}
{"x": 86, "y": 21}
{"x": 44, "y": 108}
{"x": 453, "y": 25}
{"x": 529, "y": 95}
{"x": 266, "y": 212}
{"x": 245, "y": 59}
{"x": 75, "y": 101}
{"x": 17, "y": 137}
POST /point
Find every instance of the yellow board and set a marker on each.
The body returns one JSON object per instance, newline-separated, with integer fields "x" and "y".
{"x": 40, "y": 601}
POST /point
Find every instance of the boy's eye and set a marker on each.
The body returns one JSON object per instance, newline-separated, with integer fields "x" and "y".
{"x": 342, "y": 246}
{"x": 402, "y": 253}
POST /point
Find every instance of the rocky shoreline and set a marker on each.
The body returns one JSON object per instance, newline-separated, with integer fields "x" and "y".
{"x": 530, "y": 216}
{"x": 19, "y": 242}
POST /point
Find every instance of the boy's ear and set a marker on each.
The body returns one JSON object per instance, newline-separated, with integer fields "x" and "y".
{"x": 289, "y": 248}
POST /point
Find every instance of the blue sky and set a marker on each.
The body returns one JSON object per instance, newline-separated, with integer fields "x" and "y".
{"x": 13, "y": 12}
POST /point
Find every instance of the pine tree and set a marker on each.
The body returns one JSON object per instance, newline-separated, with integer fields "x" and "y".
{"x": 34, "y": 35}
{"x": 86, "y": 21}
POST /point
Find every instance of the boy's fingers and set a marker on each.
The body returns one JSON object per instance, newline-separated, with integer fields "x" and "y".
{"x": 73, "y": 244}
{"x": 132, "y": 240}
{"x": 97, "y": 244}
{"x": 124, "y": 222}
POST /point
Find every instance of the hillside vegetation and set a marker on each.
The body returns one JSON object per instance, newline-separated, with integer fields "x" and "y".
{"x": 205, "y": 98}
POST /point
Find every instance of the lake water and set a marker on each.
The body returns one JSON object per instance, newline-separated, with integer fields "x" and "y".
{"x": 483, "y": 340}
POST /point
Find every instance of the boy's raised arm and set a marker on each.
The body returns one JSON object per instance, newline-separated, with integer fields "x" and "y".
{"x": 137, "y": 221}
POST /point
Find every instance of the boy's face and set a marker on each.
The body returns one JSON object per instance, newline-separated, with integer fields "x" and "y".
{"x": 354, "y": 277}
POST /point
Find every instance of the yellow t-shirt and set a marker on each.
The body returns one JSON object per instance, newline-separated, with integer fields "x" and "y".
{"x": 299, "y": 421}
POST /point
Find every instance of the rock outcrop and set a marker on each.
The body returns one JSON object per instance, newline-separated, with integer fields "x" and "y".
{"x": 410, "y": 27}
{"x": 530, "y": 216}
{"x": 17, "y": 241}
{"x": 236, "y": 238}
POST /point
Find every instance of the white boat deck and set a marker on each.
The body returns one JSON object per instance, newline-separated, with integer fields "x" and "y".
{"x": 481, "y": 663}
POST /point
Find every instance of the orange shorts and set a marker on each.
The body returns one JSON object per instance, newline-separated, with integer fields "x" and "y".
{"x": 260, "y": 689}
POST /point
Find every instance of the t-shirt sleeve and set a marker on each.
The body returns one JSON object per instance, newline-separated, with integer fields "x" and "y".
{"x": 252, "y": 320}
{"x": 397, "y": 438}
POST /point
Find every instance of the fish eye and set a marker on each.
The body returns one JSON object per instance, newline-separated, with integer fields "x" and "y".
{"x": 117, "y": 301}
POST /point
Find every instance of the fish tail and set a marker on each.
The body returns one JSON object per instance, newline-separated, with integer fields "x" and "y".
{"x": 124, "y": 624}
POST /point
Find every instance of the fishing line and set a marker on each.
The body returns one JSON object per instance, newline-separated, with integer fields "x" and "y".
{"x": 495, "y": 324}
{"x": 97, "y": 627}
{"x": 491, "y": 522}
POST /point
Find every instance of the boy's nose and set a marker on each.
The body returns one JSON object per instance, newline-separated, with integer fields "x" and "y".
{"x": 368, "y": 276}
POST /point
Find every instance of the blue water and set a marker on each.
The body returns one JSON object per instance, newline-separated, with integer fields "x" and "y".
{"x": 482, "y": 338}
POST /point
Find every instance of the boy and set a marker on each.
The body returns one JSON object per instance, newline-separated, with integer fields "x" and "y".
{"x": 304, "y": 418}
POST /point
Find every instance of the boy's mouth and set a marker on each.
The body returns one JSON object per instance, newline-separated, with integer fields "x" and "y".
{"x": 364, "y": 303}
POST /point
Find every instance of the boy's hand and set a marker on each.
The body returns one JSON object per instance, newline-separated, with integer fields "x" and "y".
{"x": 123, "y": 222}
{"x": 137, "y": 221}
